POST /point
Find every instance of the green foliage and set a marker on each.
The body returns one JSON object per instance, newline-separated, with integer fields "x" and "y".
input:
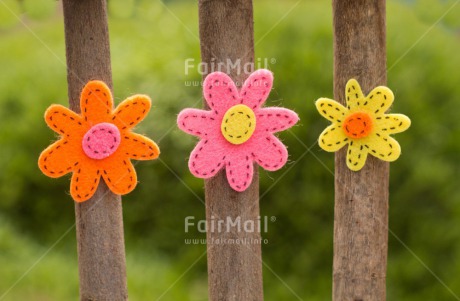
{"x": 149, "y": 47}
{"x": 9, "y": 13}
{"x": 121, "y": 8}
{"x": 443, "y": 12}
{"x": 33, "y": 272}
{"x": 39, "y": 9}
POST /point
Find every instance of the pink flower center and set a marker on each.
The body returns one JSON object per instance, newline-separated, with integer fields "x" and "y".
{"x": 101, "y": 141}
{"x": 238, "y": 124}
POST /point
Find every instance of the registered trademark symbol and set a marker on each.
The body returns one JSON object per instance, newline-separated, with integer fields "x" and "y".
{"x": 273, "y": 61}
{"x": 273, "y": 218}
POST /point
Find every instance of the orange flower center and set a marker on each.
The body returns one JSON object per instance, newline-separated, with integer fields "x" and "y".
{"x": 101, "y": 141}
{"x": 357, "y": 125}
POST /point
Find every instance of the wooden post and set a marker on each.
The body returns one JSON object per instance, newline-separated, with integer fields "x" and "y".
{"x": 99, "y": 221}
{"x": 234, "y": 270}
{"x": 361, "y": 198}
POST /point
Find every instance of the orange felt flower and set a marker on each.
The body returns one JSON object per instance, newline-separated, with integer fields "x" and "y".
{"x": 98, "y": 142}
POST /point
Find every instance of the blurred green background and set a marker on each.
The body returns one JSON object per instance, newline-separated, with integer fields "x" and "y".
{"x": 150, "y": 41}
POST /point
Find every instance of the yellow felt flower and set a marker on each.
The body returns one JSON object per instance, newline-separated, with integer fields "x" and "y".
{"x": 363, "y": 125}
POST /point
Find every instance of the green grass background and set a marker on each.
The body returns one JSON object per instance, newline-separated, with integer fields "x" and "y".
{"x": 149, "y": 47}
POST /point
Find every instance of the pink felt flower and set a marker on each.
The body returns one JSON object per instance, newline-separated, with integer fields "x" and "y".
{"x": 236, "y": 131}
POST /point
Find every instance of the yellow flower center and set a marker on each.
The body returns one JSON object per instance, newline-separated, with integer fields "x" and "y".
{"x": 238, "y": 124}
{"x": 357, "y": 125}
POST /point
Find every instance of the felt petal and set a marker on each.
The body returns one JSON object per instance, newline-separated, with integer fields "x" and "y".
{"x": 275, "y": 119}
{"x": 392, "y": 123}
{"x": 64, "y": 121}
{"x": 131, "y": 111}
{"x": 332, "y": 138}
{"x": 331, "y": 109}
{"x": 379, "y": 100}
{"x": 220, "y": 92}
{"x": 384, "y": 147}
{"x": 356, "y": 155}
{"x": 120, "y": 176}
{"x": 354, "y": 94}
{"x": 239, "y": 169}
{"x": 256, "y": 88}
{"x": 59, "y": 158}
{"x": 196, "y": 122}
{"x": 139, "y": 147}
{"x": 271, "y": 154}
{"x": 207, "y": 158}
{"x": 84, "y": 182}
{"x": 96, "y": 102}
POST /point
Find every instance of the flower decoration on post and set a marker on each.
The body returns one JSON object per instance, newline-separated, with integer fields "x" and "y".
{"x": 98, "y": 142}
{"x": 363, "y": 125}
{"x": 237, "y": 131}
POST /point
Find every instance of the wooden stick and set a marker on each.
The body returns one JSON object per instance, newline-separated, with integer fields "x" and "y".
{"x": 99, "y": 221}
{"x": 361, "y": 198}
{"x": 234, "y": 270}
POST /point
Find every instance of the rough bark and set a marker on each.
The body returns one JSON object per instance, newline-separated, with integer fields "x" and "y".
{"x": 99, "y": 221}
{"x": 361, "y": 198}
{"x": 234, "y": 270}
